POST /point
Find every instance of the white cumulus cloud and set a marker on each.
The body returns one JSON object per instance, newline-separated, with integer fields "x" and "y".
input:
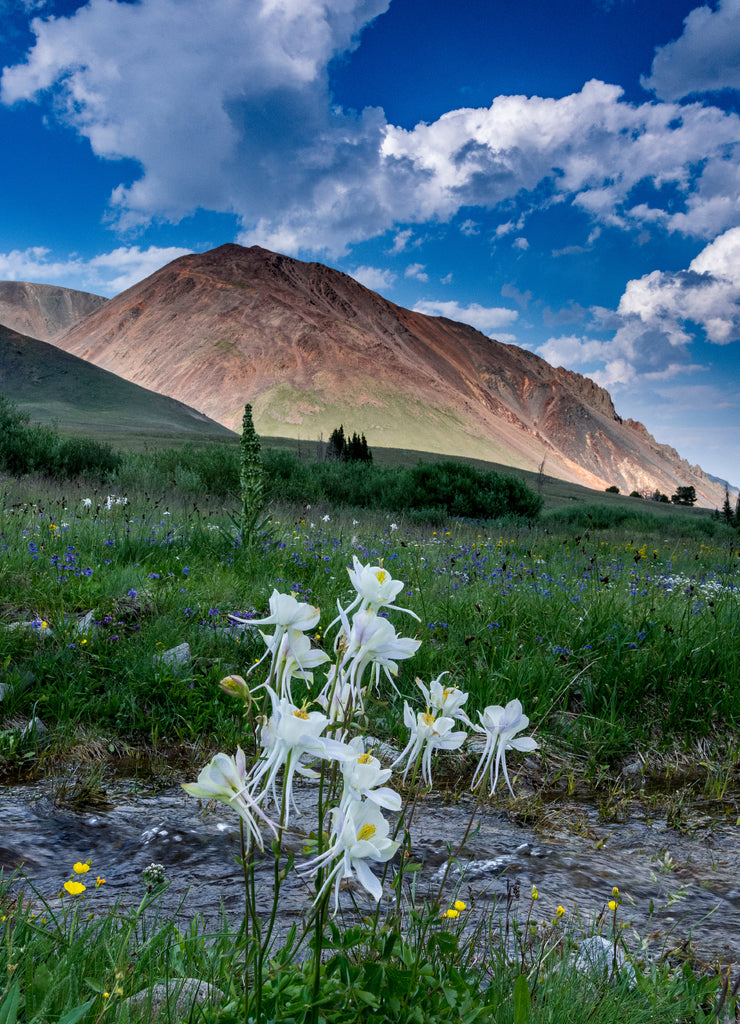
{"x": 485, "y": 319}
{"x": 707, "y": 294}
{"x": 233, "y": 112}
{"x": 657, "y": 320}
{"x": 705, "y": 58}
{"x": 374, "y": 277}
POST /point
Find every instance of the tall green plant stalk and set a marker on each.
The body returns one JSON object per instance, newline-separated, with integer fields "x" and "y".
{"x": 251, "y": 480}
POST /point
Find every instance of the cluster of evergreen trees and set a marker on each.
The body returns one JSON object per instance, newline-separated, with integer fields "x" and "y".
{"x": 348, "y": 449}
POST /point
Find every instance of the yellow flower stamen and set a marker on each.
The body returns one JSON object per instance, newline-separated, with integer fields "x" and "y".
{"x": 427, "y": 719}
{"x": 381, "y": 575}
{"x": 365, "y": 759}
{"x": 366, "y": 832}
{"x": 300, "y": 713}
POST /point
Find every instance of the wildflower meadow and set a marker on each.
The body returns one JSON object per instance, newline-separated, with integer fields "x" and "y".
{"x": 364, "y": 664}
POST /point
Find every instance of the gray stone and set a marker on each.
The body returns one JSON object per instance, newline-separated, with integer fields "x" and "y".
{"x": 596, "y": 959}
{"x": 177, "y": 999}
{"x": 34, "y": 727}
{"x": 84, "y": 623}
{"x": 175, "y": 657}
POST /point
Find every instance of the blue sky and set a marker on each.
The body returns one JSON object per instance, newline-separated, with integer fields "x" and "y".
{"x": 564, "y": 176}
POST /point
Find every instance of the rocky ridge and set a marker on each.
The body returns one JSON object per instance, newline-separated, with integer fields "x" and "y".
{"x": 310, "y": 347}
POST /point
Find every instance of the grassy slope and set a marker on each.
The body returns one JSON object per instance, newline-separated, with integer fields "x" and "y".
{"x": 81, "y": 399}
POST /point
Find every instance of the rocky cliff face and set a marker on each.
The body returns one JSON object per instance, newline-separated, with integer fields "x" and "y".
{"x": 43, "y": 310}
{"x": 310, "y": 348}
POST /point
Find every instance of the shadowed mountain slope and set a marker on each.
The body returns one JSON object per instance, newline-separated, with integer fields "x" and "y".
{"x": 43, "y": 310}
{"x": 53, "y": 386}
{"x": 310, "y": 348}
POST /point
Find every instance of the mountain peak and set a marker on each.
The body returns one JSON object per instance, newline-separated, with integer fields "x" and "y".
{"x": 309, "y": 347}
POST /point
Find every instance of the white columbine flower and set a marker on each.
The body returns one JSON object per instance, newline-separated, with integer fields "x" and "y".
{"x": 375, "y": 588}
{"x": 372, "y": 640}
{"x": 427, "y": 734}
{"x": 359, "y": 835}
{"x": 445, "y": 700}
{"x": 224, "y": 779}
{"x": 501, "y": 726}
{"x": 364, "y": 777}
{"x": 294, "y": 659}
{"x": 290, "y": 617}
{"x": 290, "y": 734}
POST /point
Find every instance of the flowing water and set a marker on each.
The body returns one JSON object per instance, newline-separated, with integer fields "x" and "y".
{"x": 676, "y": 884}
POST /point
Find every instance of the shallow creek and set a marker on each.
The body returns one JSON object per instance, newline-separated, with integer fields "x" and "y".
{"x": 690, "y": 876}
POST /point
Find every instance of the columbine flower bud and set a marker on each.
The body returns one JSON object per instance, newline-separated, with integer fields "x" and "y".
{"x": 236, "y": 686}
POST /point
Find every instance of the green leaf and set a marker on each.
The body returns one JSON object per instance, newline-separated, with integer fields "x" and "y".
{"x": 76, "y": 1013}
{"x": 9, "y": 1005}
{"x": 366, "y": 997}
{"x": 446, "y": 942}
{"x": 521, "y": 1000}
{"x": 37, "y": 989}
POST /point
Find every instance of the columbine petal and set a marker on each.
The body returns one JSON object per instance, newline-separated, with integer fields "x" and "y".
{"x": 224, "y": 779}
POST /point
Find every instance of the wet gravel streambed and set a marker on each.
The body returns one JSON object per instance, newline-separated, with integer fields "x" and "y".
{"x": 677, "y": 884}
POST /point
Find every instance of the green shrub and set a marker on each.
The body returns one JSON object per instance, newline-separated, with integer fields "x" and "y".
{"x": 465, "y": 492}
{"x": 34, "y": 448}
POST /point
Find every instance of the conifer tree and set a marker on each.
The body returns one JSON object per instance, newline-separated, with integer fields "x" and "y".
{"x": 727, "y": 513}
{"x": 336, "y": 445}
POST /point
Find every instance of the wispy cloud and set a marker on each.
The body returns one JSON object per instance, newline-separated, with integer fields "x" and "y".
{"x": 106, "y": 274}
{"x": 416, "y": 271}
{"x": 485, "y": 319}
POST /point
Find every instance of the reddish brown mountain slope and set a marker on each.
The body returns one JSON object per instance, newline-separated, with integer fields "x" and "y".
{"x": 43, "y": 310}
{"x": 309, "y": 347}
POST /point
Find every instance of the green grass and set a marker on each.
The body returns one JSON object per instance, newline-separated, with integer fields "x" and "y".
{"x": 614, "y": 639}
{"x": 66, "y": 959}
